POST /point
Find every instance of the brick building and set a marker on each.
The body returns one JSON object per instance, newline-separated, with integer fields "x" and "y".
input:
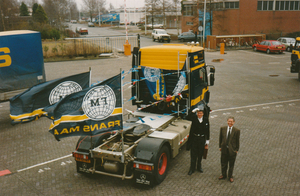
{"x": 274, "y": 18}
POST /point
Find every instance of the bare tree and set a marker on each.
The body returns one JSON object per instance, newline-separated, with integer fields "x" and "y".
{"x": 9, "y": 9}
{"x": 60, "y": 10}
{"x": 153, "y": 8}
{"x": 111, "y": 7}
{"x": 93, "y": 6}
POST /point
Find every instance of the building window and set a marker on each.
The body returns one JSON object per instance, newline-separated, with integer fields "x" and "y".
{"x": 264, "y": 5}
{"x": 232, "y": 5}
{"x": 280, "y": 5}
{"x": 188, "y": 10}
{"x": 287, "y": 5}
{"x": 189, "y": 23}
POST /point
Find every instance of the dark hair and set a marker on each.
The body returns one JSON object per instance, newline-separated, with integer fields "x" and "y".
{"x": 231, "y": 117}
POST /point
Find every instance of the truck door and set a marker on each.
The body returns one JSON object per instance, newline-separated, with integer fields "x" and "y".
{"x": 198, "y": 82}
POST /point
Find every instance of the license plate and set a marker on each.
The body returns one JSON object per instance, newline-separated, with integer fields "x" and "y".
{"x": 83, "y": 160}
{"x": 279, "y": 47}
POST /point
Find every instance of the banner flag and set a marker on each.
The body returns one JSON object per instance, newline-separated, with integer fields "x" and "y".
{"x": 28, "y": 106}
{"x": 89, "y": 112}
{"x": 155, "y": 82}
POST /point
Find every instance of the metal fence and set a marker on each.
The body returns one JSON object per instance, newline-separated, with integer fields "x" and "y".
{"x": 98, "y": 45}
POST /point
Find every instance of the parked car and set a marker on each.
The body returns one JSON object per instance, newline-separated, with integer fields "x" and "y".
{"x": 188, "y": 36}
{"x": 90, "y": 24}
{"x": 74, "y": 21}
{"x": 81, "y": 30}
{"x": 160, "y": 35}
{"x": 269, "y": 46}
{"x": 289, "y": 42}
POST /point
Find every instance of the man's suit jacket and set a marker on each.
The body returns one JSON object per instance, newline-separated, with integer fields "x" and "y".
{"x": 234, "y": 141}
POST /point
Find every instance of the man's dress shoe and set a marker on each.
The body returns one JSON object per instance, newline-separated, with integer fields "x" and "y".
{"x": 200, "y": 170}
{"x": 231, "y": 180}
{"x": 190, "y": 172}
{"x": 222, "y": 178}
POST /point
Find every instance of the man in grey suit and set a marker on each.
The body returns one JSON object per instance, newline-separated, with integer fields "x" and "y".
{"x": 229, "y": 144}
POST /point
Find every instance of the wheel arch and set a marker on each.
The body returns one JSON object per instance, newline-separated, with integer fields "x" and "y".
{"x": 148, "y": 148}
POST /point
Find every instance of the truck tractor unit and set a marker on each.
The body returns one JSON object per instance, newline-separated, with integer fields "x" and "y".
{"x": 295, "y": 58}
{"x": 169, "y": 82}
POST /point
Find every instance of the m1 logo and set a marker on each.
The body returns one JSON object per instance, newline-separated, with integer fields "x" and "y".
{"x": 5, "y": 57}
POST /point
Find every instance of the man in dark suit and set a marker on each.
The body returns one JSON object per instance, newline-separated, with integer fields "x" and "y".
{"x": 198, "y": 137}
{"x": 229, "y": 144}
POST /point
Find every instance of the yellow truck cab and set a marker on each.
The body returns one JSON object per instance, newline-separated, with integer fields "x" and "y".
{"x": 169, "y": 62}
{"x": 295, "y": 58}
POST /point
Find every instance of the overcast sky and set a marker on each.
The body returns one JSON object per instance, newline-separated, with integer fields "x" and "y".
{"x": 117, "y": 3}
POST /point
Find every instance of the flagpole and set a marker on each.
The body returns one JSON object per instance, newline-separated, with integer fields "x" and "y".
{"x": 123, "y": 155}
{"x": 90, "y": 81}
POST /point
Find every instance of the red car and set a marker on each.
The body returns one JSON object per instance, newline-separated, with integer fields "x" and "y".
{"x": 269, "y": 46}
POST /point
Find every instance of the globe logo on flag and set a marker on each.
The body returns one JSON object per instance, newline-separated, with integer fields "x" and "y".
{"x": 99, "y": 102}
{"x": 151, "y": 74}
{"x": 62, "y": 90}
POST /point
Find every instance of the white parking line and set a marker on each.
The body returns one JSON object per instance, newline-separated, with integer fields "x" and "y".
{"x": 254, "y": 63}
{"x": 44, "y": 163}
{"x": 274, "y": 62}
{"x": 250, "y": 106}
{"x": 233, "y": 108}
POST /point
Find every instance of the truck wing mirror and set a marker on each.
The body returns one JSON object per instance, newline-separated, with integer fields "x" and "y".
{"x": 212, "y": 71}
{"x": 211, "y": 79}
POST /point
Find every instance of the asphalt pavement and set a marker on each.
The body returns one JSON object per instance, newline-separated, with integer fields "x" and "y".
{"x": 254, "y": 87}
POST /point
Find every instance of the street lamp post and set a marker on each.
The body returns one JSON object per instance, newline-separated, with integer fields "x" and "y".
{"x": 145, "y": 21}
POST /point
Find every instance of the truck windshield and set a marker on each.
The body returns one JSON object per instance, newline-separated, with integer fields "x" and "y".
{"x": 162, "y": 32}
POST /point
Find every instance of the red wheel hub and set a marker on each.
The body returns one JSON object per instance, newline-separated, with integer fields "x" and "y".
{"x": 162, "y": 163}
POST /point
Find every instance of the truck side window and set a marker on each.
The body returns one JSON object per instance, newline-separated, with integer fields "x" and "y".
{"x": 200, "y": 56}
{"x": 202, "y": 76}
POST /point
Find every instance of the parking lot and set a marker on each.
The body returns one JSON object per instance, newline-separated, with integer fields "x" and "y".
{"x": 254, "y": 87}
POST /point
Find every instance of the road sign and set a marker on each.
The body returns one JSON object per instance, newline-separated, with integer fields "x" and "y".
{"x": 200, "y": 28}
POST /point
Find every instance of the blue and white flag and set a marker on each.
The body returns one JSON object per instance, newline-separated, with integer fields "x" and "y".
{"x": 89, "y": 112}
{"x": 28, "y": 106}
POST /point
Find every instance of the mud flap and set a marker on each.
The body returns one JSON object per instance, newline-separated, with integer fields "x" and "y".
{"x": 144, "y": 177}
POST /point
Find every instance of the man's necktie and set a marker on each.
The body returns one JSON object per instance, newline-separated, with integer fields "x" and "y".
{"x": 227, "y": 141}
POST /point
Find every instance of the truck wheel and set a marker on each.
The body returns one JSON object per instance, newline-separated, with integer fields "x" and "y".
{"x": 161, "y": 164}
{"x": 169, "y": 41}
{"x": 288, "y": 49}
{"x": 299, "y": 74}
{"x": 181, "y": 40}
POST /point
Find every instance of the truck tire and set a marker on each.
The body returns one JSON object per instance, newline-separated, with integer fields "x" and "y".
{"x": 161, "y": 164}
{"x": 299, "y": 74}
